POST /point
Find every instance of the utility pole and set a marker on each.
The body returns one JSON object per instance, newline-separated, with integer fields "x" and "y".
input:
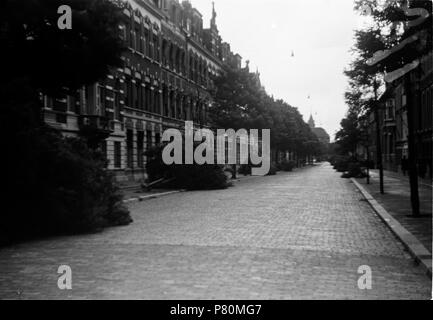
{"x": 378, "y": 140}
{"x": 413, "y": 172}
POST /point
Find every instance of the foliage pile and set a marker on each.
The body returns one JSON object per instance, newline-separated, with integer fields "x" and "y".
{"x": 185, "y": 176}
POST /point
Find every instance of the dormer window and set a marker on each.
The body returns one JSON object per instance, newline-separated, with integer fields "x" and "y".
{"x": 188, "y": 25}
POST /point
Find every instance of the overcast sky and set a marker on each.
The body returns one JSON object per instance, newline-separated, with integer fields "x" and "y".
{"x": 319, "y": 32}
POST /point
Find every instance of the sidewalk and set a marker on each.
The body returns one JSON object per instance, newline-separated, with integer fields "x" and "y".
{"x": 396, "y": 201}
{"x": 396, "y": 175}
{"x": 137, "y": 193}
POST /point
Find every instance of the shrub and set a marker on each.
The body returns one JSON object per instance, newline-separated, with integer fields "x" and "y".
{"x": 354, "y": 171}
{"x": 200, "y": 177}
{"x": 287, "y": 166}
{"x": 229, "y": 172}
{"x": 272, "y": 170}
{"x": 244, "y": 169}
{"x": 341, "y": 163}
{"x": 155, "y": 167}
{"x": 60, "y": 188}
{"x": 341, "y": 166}
{"x": 368, "y": 164}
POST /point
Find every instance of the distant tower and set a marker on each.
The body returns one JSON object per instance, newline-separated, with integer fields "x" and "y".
{"x": 311, "y": 122}
{"x": 257, "y": 77}
{"x": 213, "y": 20}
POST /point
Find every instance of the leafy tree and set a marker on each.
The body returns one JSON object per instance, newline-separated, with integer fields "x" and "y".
{"x": 49, "y": 59}
{"x": 349, "y": 136}
{"x": 241, "y": 102}
{"x": 394, "y": 27}
{"x": 53, "y": 184}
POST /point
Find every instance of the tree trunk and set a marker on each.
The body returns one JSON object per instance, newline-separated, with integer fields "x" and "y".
{"x": 413, "y": 172}
{"x": 378, "y": 142}
{"x": 368, "y": 165}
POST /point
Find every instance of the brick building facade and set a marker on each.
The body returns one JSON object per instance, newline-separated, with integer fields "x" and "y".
{"x": 165, "y": 80}
{"x": 393, "y": 121}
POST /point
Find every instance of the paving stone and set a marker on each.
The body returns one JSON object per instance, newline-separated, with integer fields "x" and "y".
{"x": 299, "y": 235}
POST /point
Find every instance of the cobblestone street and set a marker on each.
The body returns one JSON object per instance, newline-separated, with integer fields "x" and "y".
{"x": 299, "y": 235}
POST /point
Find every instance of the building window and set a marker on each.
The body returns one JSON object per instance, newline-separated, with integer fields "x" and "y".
{"x": 147, "y": 91}
{"x": 128, "y": 93}
{"x": 172, "y": 104}
{"x": 151, "y": 48}
{"x": 138, "y": 41}
{"x": 116, "y": 100}
{"x": 165, "y": 102}
{"x": 156, "y": 48}
{"x": 129, "y": 148}
{"x": 185, "y": 108}
{"x": 116, "y": 105}
{"x": 148, "y": 139}
{"x": 117, "y": 154}
{"x": 122, "y": 33}
{"x": 132, "y": 42}
{"x": 177, "y": 60}
{"x": 164, "y": 50}
{"x": 391, "y": 144}
{"x": 182, "y": 62}
{"x": 145, "y": 42}
{"x": 138, "y": 95}
{"x": 77, "y": 105}
{"x": 156, "y": 102}
{"x": 191, "y": 68}
{"x": 170, "y": 56}
{"x": 178, "y": 107}
{"x": 140, "y": 145}
{"x": 104, "y": 151}
{"x": 390, "y": 110}
{"x": 101, "y": 96}
{"x": 157, "y": 138}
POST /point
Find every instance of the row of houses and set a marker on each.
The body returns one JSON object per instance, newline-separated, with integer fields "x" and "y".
{"x": 165, "y": 80}
{"x": 393, "y": 122}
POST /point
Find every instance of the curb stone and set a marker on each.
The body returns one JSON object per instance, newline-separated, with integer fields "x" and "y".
{"x": 421, "y": 255}
{"x": 151, "y": 196}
